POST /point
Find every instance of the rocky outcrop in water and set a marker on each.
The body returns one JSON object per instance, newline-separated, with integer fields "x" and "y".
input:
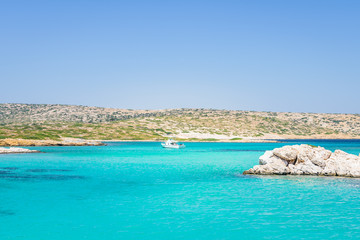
{"x": 307, "y": 160}
{"x": 16, "y": 150}
{"x": 64, "y": 142}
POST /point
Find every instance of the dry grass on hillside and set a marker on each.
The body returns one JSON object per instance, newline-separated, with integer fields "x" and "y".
{"x": 56, "y": 121}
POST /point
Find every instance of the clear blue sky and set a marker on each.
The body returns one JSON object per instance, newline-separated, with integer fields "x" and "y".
{"x": 271, "y": 55}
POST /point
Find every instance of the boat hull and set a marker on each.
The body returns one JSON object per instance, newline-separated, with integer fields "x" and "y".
{"x": 172, "y": 146}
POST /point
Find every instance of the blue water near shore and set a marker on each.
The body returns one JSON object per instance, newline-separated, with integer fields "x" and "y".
{"x": 141, "y": 191}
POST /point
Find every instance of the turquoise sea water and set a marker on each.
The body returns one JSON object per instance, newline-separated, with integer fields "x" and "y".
{"x": 142, "y": 191}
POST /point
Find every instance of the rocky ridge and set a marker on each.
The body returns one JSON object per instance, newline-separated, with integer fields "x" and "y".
{"x": 307, "y": 160}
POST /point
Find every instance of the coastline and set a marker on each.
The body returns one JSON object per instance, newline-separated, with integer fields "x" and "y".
{"x": 238, "y": 141}
{"x": 8, "y": 142}
{"x": 198, "y": 141}
{"x": 99, "y": 142}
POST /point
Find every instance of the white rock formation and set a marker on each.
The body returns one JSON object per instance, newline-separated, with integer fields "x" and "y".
{"x": 307, "y": 160}
{"x": 16, "y": 150}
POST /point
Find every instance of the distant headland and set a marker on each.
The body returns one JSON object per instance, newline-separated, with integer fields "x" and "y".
{"x": 54, "y": 122}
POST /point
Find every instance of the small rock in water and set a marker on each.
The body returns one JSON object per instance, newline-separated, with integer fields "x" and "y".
{"x": 16, "y": 150}
{"x": 307, "y": 160}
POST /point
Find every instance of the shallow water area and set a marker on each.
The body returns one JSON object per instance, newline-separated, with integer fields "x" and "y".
{"x": 138, "y": 190}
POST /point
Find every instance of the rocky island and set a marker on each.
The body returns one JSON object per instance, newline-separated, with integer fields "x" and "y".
{"x": 54, "y": 122}
{"x": 307, "y": 160}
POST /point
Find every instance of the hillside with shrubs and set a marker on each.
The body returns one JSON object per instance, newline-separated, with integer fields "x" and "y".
{"x": 54, "y": 121}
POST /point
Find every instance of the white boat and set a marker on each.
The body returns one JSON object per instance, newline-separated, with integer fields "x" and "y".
{"x": 172, "y": 144}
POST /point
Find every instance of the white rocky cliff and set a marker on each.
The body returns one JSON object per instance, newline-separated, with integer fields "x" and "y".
{"x": 307, "y": 160}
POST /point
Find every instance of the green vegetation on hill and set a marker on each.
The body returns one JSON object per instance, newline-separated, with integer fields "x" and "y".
{"x": 55, "y": 121}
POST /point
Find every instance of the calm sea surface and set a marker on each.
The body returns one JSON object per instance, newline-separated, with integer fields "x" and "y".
{"x": 142, "y": 191}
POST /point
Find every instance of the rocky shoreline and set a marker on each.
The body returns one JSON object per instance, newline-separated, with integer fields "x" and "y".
{"x": 201, "y": 141}
{"x": 16, "y": 150}
{"x": 64, "y": 142}
{"x": 307, "y": 160}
